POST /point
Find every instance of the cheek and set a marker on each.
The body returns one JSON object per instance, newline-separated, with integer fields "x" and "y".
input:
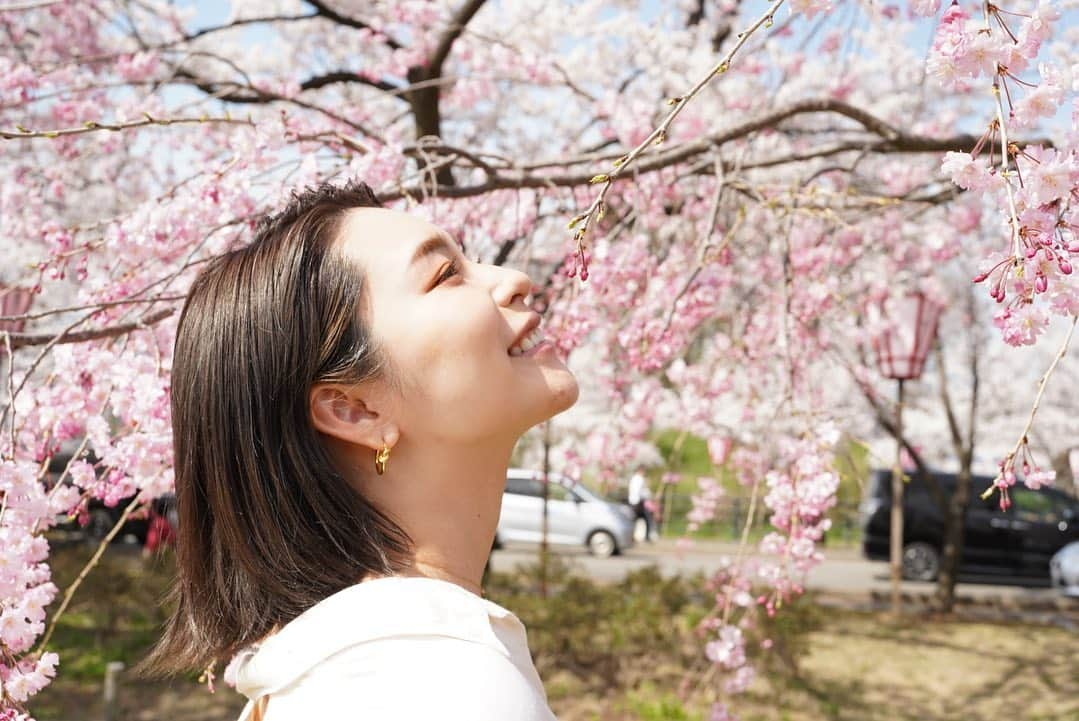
{"x": 456, "y": 356}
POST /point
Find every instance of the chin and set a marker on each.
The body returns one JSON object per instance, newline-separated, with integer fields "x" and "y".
{"x": 559, "y": 393}
{"x": 564, "y": 392}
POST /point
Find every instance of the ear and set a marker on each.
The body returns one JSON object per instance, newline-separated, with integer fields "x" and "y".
{"x": 341, "y": 413}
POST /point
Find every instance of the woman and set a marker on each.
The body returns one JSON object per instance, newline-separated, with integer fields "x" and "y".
{"x": 346, "y": 394}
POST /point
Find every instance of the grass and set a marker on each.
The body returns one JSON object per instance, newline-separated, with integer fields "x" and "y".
{"x": 616, "y": 652}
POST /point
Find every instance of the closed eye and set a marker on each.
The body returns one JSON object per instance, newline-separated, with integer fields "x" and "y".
{"x": 451, "y": 270}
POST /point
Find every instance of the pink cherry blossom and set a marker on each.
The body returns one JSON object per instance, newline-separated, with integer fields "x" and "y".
{"x": 1038, "y": 478}
{"x": 925, "y": 7}
{"x": 1021, "y": 325}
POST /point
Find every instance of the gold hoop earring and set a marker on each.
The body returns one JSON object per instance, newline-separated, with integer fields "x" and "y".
{"x": 380, "y": 459}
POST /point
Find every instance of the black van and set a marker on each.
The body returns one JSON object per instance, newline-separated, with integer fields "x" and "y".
{"x": 1016, "y": 543}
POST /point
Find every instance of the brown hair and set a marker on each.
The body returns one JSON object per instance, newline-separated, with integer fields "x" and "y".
{"x": 267, "y": 526}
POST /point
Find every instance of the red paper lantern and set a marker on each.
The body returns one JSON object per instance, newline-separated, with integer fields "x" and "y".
{"x": 14, "y": 301}
{"x": 904, "y": 345}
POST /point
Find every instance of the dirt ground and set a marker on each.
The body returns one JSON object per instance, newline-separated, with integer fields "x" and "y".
{"x": 864, "y": 670}
{"x": 860, "y": 667}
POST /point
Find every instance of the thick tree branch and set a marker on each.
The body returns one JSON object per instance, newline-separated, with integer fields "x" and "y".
{"x": 249, "y": 95}
{"x": 890, "y": 141}
{"x": 346, "y": 76}
{"x": 449, "y": 37}
{"x": 329, "y": 13}
{"x": 887, "y": 422}
{"x": 22, "y": 340}
{"x": 423, "y": 96}
{"x": 259, "y": 96}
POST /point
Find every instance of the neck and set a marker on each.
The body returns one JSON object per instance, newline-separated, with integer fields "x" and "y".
{"x": 447, "y": 498}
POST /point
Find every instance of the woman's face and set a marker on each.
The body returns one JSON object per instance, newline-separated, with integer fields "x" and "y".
{"x": 447, "y": 325}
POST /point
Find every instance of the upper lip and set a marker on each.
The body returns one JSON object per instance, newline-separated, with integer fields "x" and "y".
{"x": 529, "y": 326}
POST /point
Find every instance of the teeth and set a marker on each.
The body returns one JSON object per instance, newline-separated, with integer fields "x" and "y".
{"x": 528, "y": 342}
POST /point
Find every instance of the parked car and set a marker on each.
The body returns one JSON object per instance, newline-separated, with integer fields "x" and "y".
{"x": 1016, "y": 543}
{"x": 575, "y": 515}
{"x": 1064, "y": 570}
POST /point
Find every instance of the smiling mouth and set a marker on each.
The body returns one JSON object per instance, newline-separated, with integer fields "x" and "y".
{"x": 529, "y": 342}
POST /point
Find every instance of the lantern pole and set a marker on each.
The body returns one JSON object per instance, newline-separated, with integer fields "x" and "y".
{"x": 546, "y": 496}
{"x": 902, "y": 363}
{"x": 896, "y": 549}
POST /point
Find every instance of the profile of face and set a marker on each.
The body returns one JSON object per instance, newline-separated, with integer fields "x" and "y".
{"x": 449, "y": 329}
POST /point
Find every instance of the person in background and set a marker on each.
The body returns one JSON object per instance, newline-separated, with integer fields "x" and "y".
{"x": 161, "y": 529}
{"x": 640, "y": 497}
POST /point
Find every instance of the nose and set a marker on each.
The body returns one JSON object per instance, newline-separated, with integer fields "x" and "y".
{"x": 510, "y": 285}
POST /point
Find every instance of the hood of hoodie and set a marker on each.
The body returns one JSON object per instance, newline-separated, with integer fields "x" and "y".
{"x": 375, "y": 609}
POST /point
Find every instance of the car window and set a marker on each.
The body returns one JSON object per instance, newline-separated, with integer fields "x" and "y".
{"x": 1034, "y": 506}
{"x": 534, "y": 488}
{"x": 524, "y": 487}
{"x": 559, "y": 492}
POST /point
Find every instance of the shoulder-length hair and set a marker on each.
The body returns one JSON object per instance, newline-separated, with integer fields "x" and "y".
{"x": 268, "y": 526}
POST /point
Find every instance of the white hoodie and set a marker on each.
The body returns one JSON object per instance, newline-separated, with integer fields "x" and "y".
{"x": 394, "y": 648}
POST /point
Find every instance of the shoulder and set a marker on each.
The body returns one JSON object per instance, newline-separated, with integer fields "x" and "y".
{"x": 413, "y": 677}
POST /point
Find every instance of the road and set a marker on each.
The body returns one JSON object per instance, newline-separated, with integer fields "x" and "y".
{"x": 843, "y": 571}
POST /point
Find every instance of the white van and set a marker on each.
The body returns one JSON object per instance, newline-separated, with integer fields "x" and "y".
{"x": 575, "y": 515}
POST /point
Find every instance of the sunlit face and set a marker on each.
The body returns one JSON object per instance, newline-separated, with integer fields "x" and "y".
{"x": 447, "y": 325}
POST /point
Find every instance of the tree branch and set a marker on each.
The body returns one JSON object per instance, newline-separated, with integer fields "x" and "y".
{"x": 891, "y": 141}
{"x": 975, "y": 378}
{"x": 1009, "y": 460}
{"x": 31, "y": 5}
{"x": 259, "y": 96}
{"x": 946, "y": 401}
{"x": 251, "y": 95}
{"x": 346, "y": 76}
{"x": 449, "y": 37}
{"x": 22, "y": 340}
{"x": 238, "y": 23}
{"x": 329, "y": 13}
{"x": 91, "y": 126}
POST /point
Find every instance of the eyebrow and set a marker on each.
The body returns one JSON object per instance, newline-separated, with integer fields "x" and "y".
{"x": 431, "y": 246}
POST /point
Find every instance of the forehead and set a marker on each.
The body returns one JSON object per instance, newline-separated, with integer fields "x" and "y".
{"x": 383, "y": 240}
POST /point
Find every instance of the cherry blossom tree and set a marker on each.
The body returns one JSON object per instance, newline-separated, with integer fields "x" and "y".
{"x": 741, "y": 181}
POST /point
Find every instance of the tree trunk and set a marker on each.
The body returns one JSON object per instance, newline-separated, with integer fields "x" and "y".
{"x": 954, "y": 529}
{"x": 427, "y": 114}
{"x": 955, "y": 509}
{"x": 1065, "y": 480}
